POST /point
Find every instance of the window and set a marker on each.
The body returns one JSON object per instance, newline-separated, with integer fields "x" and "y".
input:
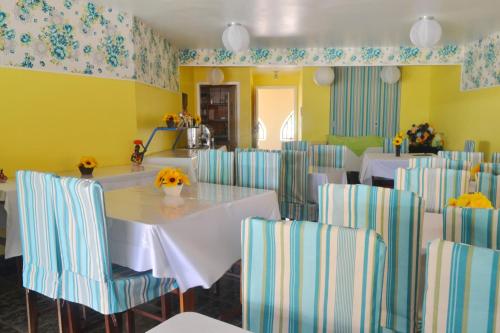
{"x": 287, "y": 132}
{"x": 261, "y": 130}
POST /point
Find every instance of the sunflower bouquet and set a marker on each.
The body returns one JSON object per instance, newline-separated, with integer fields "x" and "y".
{"x": 398, "y": 139}
{"x": 170, "y": 177}
{"x": 471, "y": 200}
{"x": 87, "y": 165}
{"x": 421, "y": 135}
{"x": 171, "y": 120}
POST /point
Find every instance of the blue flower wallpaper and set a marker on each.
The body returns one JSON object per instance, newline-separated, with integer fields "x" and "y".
{"x": 481, "y": 66}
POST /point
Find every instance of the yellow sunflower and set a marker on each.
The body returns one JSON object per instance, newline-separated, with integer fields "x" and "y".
{"x": 88, "y": 162}
{"x": 171, "y": 177}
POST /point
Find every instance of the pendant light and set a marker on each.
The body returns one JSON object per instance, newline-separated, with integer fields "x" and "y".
{"x": 324, "y": 76}
{"x": 390, "y": 74}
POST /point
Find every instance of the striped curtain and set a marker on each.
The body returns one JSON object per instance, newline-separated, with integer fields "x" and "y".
{"x": 327, "y": 156}
{"x": 362, "y": 104}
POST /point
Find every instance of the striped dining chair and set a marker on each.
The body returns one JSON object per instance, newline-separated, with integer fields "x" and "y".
{"x": 495, "y": 158}
{"x": 439, "y": 163}
{"x": 258, "y": 169}
{"x": 216, "y": 166}
{"x": 310, "y": 277}
{"x": 470, "y": 146}
{"x": 462, "y": 292}
{"x": 435, "y": 186}
{"x": 474, "y": 158}
{"x": 390, "y": 148}
{"x": 37, "y": 224}
{"x": 88, "y": 278}
{"x": 327, "y": 156}
{"x": 493, "y": 168}
{"x": 396, "y": 216}
{"x": 295, "y": 145}
{"x": 489, "y": 185}
{"x": 473, "y": 226}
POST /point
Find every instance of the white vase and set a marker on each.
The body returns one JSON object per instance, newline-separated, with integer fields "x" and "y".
{"x": 172, "y": 191}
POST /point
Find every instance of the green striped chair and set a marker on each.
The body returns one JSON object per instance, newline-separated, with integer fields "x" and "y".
{"x": 495, "y": 158}
{"x": 258, "y": 169}
{"x": 470, "y": 146}
{"x": 390, "y": 148}
{"x": 462, "y": 292}
{"x": 295, "y": 145}
{"x": 216, "y": 166}
{"x": 489, "y": 185}
{"x": 435, "y": 186}
{"x": 310, "y": 277}
{"x": 88, "y": 277}
{"x": 493, "y": 168}
{"x": 474, "y": 158}
{"x": 439, "y": 163}
{"x": 327, "y": 156}
{"x": 473, "y": 226}
{"x": 397, "y": 217}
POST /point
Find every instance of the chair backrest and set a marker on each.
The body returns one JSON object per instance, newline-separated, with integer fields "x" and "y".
{"x": 493, "y": 168}
{"x": 390, "y": 148}
{"x": 310, "y": 277}
{"x": 439, "y": 163}
{"x": 216, "y": 166}
{"x": 41, "y": 258}
{"x": 293, "y": 176}
{"x": 473, "y": 226}
{"x": 489, "y": 185}
{"x": 258, "y": 169}
{"x": 327, "y": 156}
{"x": 435, "y": 186}
{"x": 396, "y": 216}
{"x": 495, "y": 158}
{"x": 295, "y": 145}
{"x": 473, "y": 157}
{"x": 470, "y": 146}
{"x": 462, "y": 292}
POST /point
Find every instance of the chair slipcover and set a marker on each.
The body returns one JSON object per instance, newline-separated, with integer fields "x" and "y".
{"x": 295, "y": 145}
{"x": 435, "y": 186}
{"x": 462, "y": 292}
{"x": 216, "y": 166}
{"x": 473, "y": 226}
{"x": 327, "y": 156}
{"x": 87, "y": 275}
{"x": 41, "y": 261}
{"x": 474, "y": 158}
{"x": 495, "y": 158}
{"x": 493, "y": 168}
{"x": 310, "y": 277}
{"x": 258, "y": 169}
{"x": 439, "y": 163}
{"x": 489, "y": 185}
{"x": 470, "y": 146}
{"x": 397, "y": 217}
{"x": 390, "y": 148}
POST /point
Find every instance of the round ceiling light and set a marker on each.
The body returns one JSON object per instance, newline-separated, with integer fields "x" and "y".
{"x": 215, "y": 76}
{"x": 426, "y": 32}
{"x": 324, "y": 76}
{"x": 236, "y": 38}
{"x": 390, "y": 74}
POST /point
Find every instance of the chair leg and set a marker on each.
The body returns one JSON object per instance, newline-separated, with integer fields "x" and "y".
{"x": 60, "y": 322}
{"x": 129, "y": 321}
{"x": 187, "y": 300}
{"x": 165, "y": 307}
{"x": 110, "y": 324}
{"x": 72, "y": 318}
{"x": 32, "y": 312}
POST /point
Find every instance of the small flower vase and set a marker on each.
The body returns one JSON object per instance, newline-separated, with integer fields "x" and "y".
{"x": 172, "y": 191}
{"x": 170, "y": 123}
{"x": 398, "y": 150}
{"x": 86, "y": 172}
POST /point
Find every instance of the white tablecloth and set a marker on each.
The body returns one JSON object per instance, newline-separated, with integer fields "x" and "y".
{"x": 381, "y": 165}
{"x": 324, "y": 175}
{"x": 352, "y": 162}
{"x": 191, "y": 322}
{"x": 180, "y": 158}
{"x": 196, "y": 242}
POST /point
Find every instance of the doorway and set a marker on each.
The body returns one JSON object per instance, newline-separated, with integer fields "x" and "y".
{"x": 275, "y": 116}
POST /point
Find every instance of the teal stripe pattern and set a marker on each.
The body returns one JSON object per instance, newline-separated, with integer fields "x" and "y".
{"x": 470, "y": 146}
{"x": 37, "y": 224}
{"x": 216, "y": 167}
{"x": 362, "y": 104}
{"x": 439, "y": 163}
{"x": 493, "y": 168}
{"x": 462, "y": 291}
{"x": 397, "y": 217}
{"x": 495, "y": 158}
{"x": 309, "y": 277}
{"x": 489, "y": 185}
{"x": 295, "y": 145}
{"x": 87, "y": 276}
{"x": 473, "y": 226}
{"x": 474, "y": 158}
{"x": 258, "y": 169}
{"x": 332, "y": 156}
{"x": 435, "y": 186}
{"x": 390, "y": 148}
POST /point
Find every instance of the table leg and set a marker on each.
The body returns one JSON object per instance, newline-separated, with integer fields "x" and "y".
{"x": 187, "y": 300}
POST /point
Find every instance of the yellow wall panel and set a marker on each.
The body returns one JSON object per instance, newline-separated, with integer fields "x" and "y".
{"x": 315, "y": 108}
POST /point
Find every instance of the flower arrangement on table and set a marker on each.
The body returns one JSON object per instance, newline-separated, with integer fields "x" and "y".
{"x": 171, "y": 181}
{"x": 87, "y": 165}
{"x": 188, "y": 120}
{"x": 397, "y": 141}
{"x": 424, "y": 138}
{"x": 3, "y": 177}
{"x": 471, "y": 200}
{"x": 171, "y": 120}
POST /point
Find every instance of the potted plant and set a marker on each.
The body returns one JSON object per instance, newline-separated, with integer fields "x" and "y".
{"x": 171, "y": 181}
{"x": 397, "y": 142}
{"x": 171, "y": 120}
{"x": 86, "y": 166}
{"x": 421, "y": 139}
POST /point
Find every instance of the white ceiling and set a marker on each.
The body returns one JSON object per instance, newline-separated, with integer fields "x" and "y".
{"x": 313, "y": 23}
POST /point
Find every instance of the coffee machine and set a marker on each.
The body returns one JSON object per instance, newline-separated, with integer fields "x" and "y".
{"x": 199, "y": 137}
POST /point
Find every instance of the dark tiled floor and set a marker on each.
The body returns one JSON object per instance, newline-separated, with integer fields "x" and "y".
{"x": 13, "y": 306}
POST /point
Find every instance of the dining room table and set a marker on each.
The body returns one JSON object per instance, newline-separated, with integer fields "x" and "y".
{"x": 192, "y": 322}
{"x": 320, "y": 175}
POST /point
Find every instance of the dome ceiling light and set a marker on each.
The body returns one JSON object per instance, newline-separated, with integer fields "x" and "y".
{"x": 390, "y": 74}
{"x": 324, "y": 76}
{"x": 236, "y": 38}
{"x": 426, "y": 32}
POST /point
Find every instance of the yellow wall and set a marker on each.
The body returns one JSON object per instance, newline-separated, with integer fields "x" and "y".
{"x": 315, "y": 108}
{"x": 415, "y": 96}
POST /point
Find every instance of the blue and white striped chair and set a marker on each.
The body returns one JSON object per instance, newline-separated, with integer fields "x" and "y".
{"x": 88, "y": 277}
{"x": 397, "y": 216}
{"x": 390, "y": 148}
{"x": 295, "y": 145}
{"x": 439, "y": 163}
{"x": 474, "y": 158}
{"x": 470, "y": 146}
{"x": 473, "y": 226}
{"x": 216, "y": 166}
{"x": 435, "y": 186}
{"x": 495, "y": 158}
{"x": 493, "y": 168}
{"x": 461, "y": 291}
{"x": 327, "y": 156}
{"x": 258, "y": 169}
{"x": 310, "y": 277}
{"x": 489, "y": 185}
